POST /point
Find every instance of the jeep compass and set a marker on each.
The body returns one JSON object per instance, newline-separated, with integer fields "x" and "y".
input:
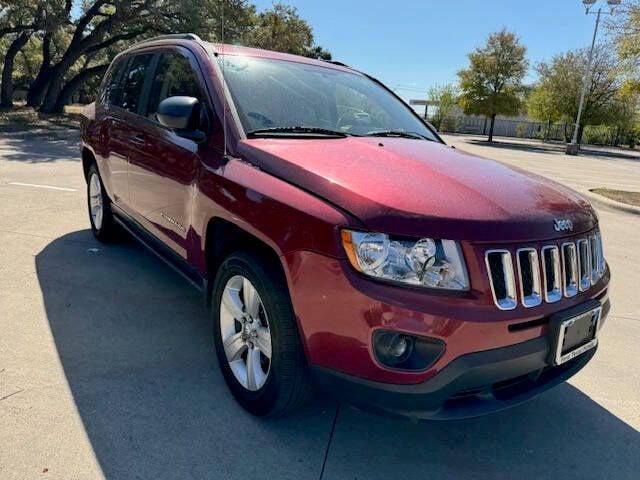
{"x": 339, "y": 241}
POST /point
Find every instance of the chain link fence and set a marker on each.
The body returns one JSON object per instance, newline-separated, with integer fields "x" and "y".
{"x": 521, "y": 128}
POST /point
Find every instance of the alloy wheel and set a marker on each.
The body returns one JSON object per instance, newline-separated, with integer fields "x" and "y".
{"x": 95, "y": 201}
{"x": 245, "y": 332}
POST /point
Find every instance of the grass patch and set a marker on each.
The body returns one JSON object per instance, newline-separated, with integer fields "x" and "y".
{"x": 630, "y": 198}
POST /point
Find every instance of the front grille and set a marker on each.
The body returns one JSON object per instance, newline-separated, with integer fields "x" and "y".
{"x": 548, "y": 275}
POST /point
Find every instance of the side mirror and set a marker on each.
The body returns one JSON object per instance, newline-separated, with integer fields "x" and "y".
{"x": 182, "y": 114}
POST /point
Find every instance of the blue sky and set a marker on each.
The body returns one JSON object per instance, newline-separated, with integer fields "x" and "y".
{"x": 418, "y": 43}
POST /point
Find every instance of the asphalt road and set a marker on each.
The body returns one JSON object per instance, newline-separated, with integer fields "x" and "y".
{"x": 107, "y": 368}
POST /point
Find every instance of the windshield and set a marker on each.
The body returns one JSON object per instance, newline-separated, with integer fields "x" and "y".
{"x": 278, "y": 94}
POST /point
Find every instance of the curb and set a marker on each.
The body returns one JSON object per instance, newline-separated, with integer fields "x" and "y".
{"x": 607, "y": 202}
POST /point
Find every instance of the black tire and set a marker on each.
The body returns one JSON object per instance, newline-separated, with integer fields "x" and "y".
{"x": 107, "y": 229}
{"x": 288, "y": 385}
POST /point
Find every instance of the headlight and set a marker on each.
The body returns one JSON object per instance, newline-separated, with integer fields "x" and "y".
{"x": 426, "y": 262}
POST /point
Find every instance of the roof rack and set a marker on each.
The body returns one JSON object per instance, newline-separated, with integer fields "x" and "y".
{"x": 175, "y": 36}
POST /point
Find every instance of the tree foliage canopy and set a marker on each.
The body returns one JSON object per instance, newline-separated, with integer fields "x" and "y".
{"x": 446, "y": 96}
{"x": 57, "y": 46}
{"x": 492, "y": 83}
{"x": 557, "y": 94}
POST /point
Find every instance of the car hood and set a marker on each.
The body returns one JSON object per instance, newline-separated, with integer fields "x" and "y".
{"x": 412, "y": 187}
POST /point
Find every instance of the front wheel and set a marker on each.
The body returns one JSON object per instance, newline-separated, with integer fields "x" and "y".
{"x": 99, "y": 204}
{"x": 256, "y": 337}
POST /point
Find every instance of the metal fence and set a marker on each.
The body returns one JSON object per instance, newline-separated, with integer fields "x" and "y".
{"x": 507, "y": 128}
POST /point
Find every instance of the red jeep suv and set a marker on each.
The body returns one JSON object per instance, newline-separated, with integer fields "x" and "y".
{"x": 339, "y": 241}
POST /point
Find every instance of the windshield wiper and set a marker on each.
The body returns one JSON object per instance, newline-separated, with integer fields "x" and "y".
{"x": 398, "y": 133}
{"x": 297, "y": 131}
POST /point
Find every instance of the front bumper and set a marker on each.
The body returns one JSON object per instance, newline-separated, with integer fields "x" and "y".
{"x": 472, "y": 385}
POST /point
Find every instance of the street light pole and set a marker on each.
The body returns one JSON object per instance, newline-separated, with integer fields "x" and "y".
{"x": 574, "y": 147}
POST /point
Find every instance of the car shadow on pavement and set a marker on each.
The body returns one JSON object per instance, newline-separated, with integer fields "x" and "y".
{"x": 134, "y": 340}
{"x": 41, "y": 148}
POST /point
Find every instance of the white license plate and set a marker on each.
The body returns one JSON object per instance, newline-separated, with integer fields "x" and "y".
{"x": 577, "y": 335}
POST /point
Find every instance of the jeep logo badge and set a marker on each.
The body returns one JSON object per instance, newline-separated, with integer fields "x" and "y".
{"x": 560, "y": 225}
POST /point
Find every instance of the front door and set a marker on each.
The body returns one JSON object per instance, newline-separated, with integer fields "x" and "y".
{"x": 162, "y": 180}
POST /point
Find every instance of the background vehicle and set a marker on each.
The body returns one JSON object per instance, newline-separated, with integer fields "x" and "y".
{"x": 338, "y": 238}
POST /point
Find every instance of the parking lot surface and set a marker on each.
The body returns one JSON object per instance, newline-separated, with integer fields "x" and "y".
{"x": 107, "y": 367}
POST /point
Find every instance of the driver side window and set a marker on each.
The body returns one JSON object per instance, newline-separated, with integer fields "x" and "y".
{"x": 174, "y": 77}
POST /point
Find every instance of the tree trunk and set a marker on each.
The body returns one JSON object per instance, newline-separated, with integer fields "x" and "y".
{"x": 6, "y": 92}
{"x": 493, "y": 122}
{"x": 547, "y": 131}
{"x": 76, "y": 82}
{"x": 38, "y": 87}
{"x": 56, "y": 82}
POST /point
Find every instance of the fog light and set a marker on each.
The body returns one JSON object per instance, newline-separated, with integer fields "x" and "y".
{"x": 406, "y": 352}
{"x": 393, "y": 348}
{"x": 399, "y": 346}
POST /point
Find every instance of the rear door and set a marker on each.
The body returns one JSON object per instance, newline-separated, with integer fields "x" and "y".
{"x": 163, "y": 180}
{"x": 114, "y": 168}
{"x": 126, "y": 139}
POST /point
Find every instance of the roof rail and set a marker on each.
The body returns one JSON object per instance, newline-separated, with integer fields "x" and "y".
{"x": 175, "y": 36}
{"x": 336, "y": 62}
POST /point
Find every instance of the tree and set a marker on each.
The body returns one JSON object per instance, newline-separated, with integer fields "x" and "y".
{"x": 560, "y": 83}
{"x": 624, "y": 26}
{"x": 446, "y": 98}
{"x": 62, "y": 45}
{"x": 491, "y": 85}
{"x": 281, "y": 28}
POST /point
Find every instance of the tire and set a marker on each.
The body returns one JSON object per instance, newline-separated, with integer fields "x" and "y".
{"x": 102, "y": 224}
{"x": 287, "y": 385}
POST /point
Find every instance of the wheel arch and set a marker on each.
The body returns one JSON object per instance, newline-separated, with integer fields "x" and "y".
{"x": 223, "y": 237}
{"x": 88, "y": 159}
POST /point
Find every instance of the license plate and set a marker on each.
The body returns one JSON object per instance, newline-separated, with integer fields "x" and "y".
{"x": 576, "y": 335}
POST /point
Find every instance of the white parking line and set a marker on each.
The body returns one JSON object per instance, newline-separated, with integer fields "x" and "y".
{"x": 50, "y": 187}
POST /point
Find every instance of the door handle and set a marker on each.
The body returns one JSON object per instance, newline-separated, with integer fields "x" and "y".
{"x": 137, "y": 140}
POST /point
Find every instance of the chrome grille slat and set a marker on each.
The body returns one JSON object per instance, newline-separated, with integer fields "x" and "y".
{"x": 529, "y": 277}
{"x": 551, "y": 273}
{"x": 593, "y": 250}
{"x": 601, "y": 261}
{"x": 545, "y": 275}
{"x": 569, "y": 269}
{"x": 584, "y": 264}
{"x": 503, "y": 285}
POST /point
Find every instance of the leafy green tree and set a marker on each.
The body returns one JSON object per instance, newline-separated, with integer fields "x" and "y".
{"x": 280, "y": 28}
{"x": 492, "y": 84}
{"x": 624, "y": 26}
{"x": 560, "y": 84}
{"x": 446, "y": 97}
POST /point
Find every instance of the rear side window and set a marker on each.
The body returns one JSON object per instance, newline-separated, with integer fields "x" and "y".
{"x": 134, "y": 81}
{"x": 174, "y": 77}
{"x": 113, "y": 84}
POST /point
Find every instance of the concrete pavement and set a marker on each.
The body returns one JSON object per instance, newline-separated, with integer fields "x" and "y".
{"x": 594, "y": 167}
{"x": 107, "y": 368}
